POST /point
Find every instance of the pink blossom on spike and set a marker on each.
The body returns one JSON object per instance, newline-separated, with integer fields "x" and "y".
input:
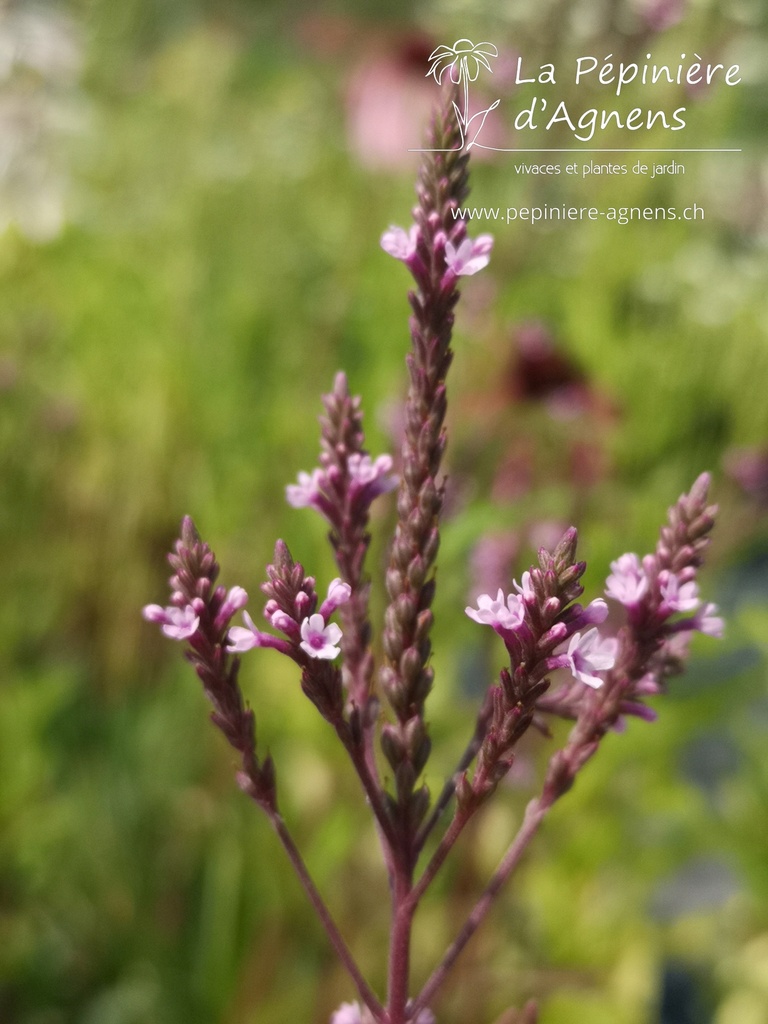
{"x": 678, "y": 597}
{"x": 400, "y": 243}
{"x": 370, "y": 477}
{"x": 707, "y": 621}
{"x": 628, "y": 582}
{"x": 236, "y": 599}
{"x": 501, "y": 613}
{"x": 176, "y": 623}
{"x": 470, "y": 256}
{"x": 526, "y": 588}
{"x": 319, "y": 640}
{"x": 589, "y": 654}
{"x": 307, "y": 491}
{"x": 243, "y": 638}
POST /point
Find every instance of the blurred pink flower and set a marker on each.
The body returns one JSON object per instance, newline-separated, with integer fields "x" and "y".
{"x": 627, "y": 582}
{"x": 400, "y": 243}
{"x": 470, "y": 256}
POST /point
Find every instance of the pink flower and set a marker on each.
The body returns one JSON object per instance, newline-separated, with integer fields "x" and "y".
{"x": 470, "y": 256}
{"x": 526, "y": 588}
{"x": 706, "y": 621}
{"x": 589, "y": 654}
{"x": 678, "y": 597}
{"x": 319, "y": 640}
{"x": 307, "y": 491}
{"x": 502, "y": 613}
{"x": 370, "y": 478}
{"x": 243, "y": 638}
{"x": 628, "y": 582}
{"x": 400, "y": 243}
{"x": 176, "y": 623}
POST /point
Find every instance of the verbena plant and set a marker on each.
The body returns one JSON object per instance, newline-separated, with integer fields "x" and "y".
{"x": 602, "y": 678}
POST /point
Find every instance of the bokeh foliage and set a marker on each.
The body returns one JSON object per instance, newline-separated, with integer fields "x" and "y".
{"x": 196, "y": 259}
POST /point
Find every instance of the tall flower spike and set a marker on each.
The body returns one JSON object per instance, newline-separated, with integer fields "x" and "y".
{"x": 407, "y": 679}
{"x": 649, "y": 648}
{"x": 200, "y": 613}
{"x": 357, "y": 481}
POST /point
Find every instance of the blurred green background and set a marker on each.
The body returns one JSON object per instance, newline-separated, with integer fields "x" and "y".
{"x": 191, "y": 197}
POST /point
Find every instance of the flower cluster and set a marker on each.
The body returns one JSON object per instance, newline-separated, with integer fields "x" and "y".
{"x": 631, "y": 581}
{"x": 181, "y": 619}
{"x": 199, "y": 614}
{"x": 601, "y": 676}
{"x": 367, "y": 479}
{"x": 313, "y": 635}
{"x": 586, "y": 654}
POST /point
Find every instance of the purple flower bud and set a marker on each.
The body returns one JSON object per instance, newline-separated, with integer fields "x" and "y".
{"x": 236, "y": 599}
{"x": 647, "y": 686}
{"x": 634, "y": 707}
{"x": 338, "y": 593}
{"x": 282, "y": 621}
{"x": 302, "y": 602}
{"x": 595, "y": 612}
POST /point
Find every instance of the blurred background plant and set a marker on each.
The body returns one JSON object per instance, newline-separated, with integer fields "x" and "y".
{"x": 191, "y": 196}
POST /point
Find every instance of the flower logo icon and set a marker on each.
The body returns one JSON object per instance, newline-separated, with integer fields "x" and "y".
{"x": 463, "y": 60}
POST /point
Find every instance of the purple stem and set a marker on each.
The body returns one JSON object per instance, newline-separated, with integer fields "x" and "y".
{"x": 400, "y": 946}
{"x": 534, "y": 814}
{"x": 337, "y": 940}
